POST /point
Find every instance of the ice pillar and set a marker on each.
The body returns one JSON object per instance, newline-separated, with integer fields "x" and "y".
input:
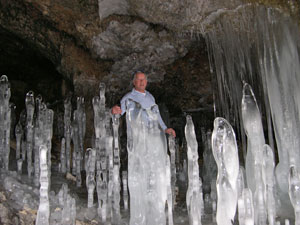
{"x": 194, "y": 199}
{"x": 147, "y": 152}
{"x": 226, "y": 155}
{"x": 44, "y": 208}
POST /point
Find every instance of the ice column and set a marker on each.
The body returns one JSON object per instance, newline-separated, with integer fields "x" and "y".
{"x": 116, "y": 170}
{"x": 90, "y": 175}
{"x": 147, "y": 152}
{"x": 246, "y": 210}
{"x": 254, "y": 131}
{"x": 5, "y": 114}
{"x": 294, "y": 191}
{"x": 171, "y": 140}
{"x": 63, "y": 167}
{"x": 193, "y": 195}
{"x": 100, "y": 118}
{"x": 125, "y": 189}
{"x": 19, "y": 134}
{"x": 44, "y": 208}
{"x": 226, "y": 155}
{"x": 269, "y": 180}
{"x": 29, "y": 102}
{"x": 77, "y": 153}
{"x": 80, "y": 117}
{"x": 67, "y": 131}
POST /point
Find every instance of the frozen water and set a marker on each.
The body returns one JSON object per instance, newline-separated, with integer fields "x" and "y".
{"x": 147, "y": 153}
{"x": 194, "y": 197}
{"x": 225, "y": 152}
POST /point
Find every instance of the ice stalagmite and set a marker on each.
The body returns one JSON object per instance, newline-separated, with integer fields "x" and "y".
{"x": 116, "y": 170}
{"x": 19, "y": 134}
{"x": 63, "y": 167}
{"x": 171, "y": 140}
{"x": 193, "y": 197}
{"x": 254, "y": 131}
{"x": 294, "y": 191}
{"x": 101, "y": 143}
{"x": 226, "y": 155}
{"x": 44, "y": 208}
{"x": 5, "y": 121}
{"x": 29, "y": 102}
{"x": 147, "y": 152}
{"x": 67, "y": 131}
{"x": 125, "y": 189}
{"x": 254, "y": 160}
{"x": 80, "y": 118}
{"x": 90, "y": 175}
{"x": 269, "y": 180}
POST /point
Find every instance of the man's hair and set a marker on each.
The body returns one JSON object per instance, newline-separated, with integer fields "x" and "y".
{"x": 137, "y": 72}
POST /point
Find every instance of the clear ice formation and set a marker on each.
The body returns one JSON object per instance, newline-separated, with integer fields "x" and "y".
{"x": 67, "y": 131}
{"x": 255, "y": 135}
{"x": 63, "y": 167}
{"x": 43, "y": 213}
{"x": 172, "y": 150}
{"x": 210, "y": 169}
{"x": 194, "y": 197}
{"x": 125, "y": 189}
{"x": 254, "y": 161}
{"x": 19, "y": 134}
{"x": 294, "y": 191}
{"x": 5, "y": 114}
{"x": 147, "y": 155}
{"x": 116, "y": 171}
{"x": 78, "y": 134}
{"x": 90, "y": 175}
{"x": 262, "y": 49}
{"x": 30, "y": 104}
{"x": 269, "y": 181}
{"x": 104, "y": 153}
{"x": 226, "y": 155}
{"x": 245, "y": 208}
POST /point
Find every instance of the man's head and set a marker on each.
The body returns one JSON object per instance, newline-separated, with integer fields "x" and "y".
{"x": 140, "y": 81}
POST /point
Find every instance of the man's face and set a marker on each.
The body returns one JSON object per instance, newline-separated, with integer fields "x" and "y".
{"x": 140, "y": 82}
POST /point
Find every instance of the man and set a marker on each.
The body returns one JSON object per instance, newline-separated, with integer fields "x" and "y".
{"x": 143, "y": 97}
{"x": 147, "y": 155}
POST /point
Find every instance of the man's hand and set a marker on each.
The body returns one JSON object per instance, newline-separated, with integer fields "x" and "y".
{"x": 116, "y": 110}
{"x": 170, "y": 131}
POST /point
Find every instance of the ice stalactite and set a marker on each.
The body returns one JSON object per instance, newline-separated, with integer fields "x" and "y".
{"x": 43, "y": 214}
{"x": 147, "y": 153}
{"x": 262, "y": 50}
{"x": 194, "y": 197}
{"x": 226, "y": 155}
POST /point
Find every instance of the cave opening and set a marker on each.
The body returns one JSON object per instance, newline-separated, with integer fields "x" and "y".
{"x": 29, "y": 70}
